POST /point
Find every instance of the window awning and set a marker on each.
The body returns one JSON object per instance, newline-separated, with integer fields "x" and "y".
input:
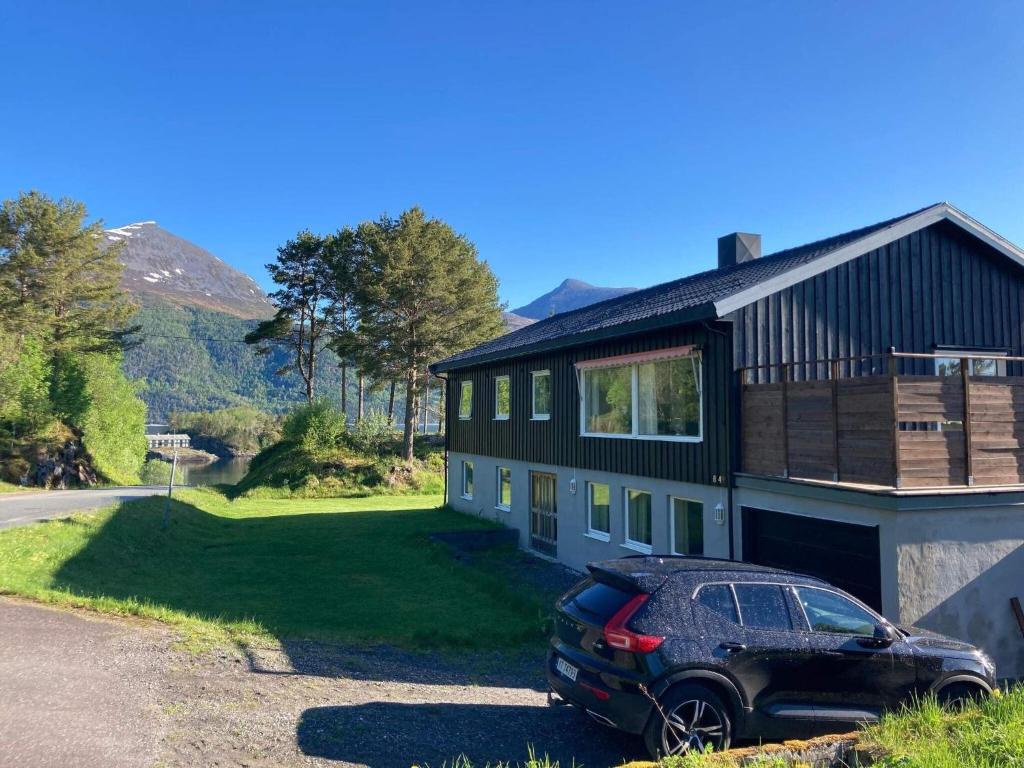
{"x": 688, "y": 350}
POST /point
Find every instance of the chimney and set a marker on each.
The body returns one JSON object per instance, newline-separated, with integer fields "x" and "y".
{"x": 738, "y": 248}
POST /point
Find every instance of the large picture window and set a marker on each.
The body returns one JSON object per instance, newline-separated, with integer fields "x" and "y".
{"x": 502, "y": 398}
{"x": 466, "y": 400}
{"x": 608, "y": 401}
{"x": 647, "y": 399}
{"x": 541, "y": 395}
{"x": 638, "y": 520}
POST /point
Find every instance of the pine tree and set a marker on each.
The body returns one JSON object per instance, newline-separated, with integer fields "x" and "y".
{"x": 58, "y": 280}
{"x": 307, "y": 303}
{"x": 422, "y": 294}
{"x": 342, "y": 258}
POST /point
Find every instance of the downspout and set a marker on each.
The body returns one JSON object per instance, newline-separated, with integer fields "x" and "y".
{"x": 732, "y": 444}
{"x": 447, "y": 433}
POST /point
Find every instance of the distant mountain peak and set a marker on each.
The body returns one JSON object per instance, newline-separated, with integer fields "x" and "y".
{"x": 569, "y": 295}
{"x": 160, "y": 266}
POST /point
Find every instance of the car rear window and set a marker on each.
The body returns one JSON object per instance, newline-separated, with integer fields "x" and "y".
{"x": 718, "y": 599}
{"x": 763, "y": 606}
{"x": 600, "y": 601}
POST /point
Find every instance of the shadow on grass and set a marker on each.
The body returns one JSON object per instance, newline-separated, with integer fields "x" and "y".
{"x": 390, "y": 735}
{"x": 327, "y": 585}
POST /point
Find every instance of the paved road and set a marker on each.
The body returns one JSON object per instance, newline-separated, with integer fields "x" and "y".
{"x": 25, "y": 508}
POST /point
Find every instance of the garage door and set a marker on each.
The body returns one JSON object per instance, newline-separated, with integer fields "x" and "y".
{"x": 841, "y": 553}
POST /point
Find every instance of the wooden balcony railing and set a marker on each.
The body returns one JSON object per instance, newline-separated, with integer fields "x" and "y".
{"x": 880, "y": 421}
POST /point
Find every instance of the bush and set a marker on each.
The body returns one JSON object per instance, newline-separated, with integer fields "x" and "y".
{"x": 244, "y": 429}
{"x": 372, "y": 434}
{"x": 93, "y": 395}
{"x": 156, "y": 472}
{"x": 24, "y": 384}
{"x": 317, "y": 428}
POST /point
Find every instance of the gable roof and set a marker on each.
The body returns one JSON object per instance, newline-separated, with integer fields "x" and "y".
{"x": 716, "y": 292}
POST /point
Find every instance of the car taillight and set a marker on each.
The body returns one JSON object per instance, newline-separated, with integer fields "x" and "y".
{"x": 617, "y": 635}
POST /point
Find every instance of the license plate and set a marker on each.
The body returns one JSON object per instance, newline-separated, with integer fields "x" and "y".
{"x": 566, "y": 669}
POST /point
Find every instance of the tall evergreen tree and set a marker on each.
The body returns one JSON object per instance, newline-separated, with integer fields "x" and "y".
{"x": 307, "y": 307}
{"x": 422, "y": 294}
{"x": 58, "y": 280}
{"x": 342, "y": 258}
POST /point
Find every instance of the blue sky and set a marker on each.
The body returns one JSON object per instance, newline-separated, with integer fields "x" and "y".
{"x": 612, "y": 142}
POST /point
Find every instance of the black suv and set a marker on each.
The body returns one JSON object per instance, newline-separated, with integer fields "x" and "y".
{"x": 693, "y": 653}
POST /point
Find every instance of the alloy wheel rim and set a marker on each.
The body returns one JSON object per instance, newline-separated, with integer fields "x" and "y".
{"x": 691, "y": 726}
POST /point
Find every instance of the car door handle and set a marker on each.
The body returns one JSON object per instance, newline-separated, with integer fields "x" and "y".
{"x": 733, "y": 647}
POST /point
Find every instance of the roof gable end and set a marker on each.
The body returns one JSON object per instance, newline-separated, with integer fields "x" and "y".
{"x": 870, "y": 242}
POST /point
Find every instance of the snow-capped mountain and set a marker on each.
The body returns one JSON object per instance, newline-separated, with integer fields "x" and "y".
{"x": 160, "y": 265}
{"x": 570, "y": 294}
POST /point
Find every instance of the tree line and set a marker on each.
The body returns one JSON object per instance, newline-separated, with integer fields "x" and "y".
{"x": 388, "y": 297}
{"x": 64, "y": 324}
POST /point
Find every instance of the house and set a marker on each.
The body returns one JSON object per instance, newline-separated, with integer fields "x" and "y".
{"x": 852, "y": 408}
{"x": 168, "y": 441}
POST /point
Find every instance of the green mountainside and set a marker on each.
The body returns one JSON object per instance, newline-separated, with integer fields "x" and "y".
{"x": 192, "y": 359}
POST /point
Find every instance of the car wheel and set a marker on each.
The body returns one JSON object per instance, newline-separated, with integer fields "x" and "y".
{"x": 688, "y": 718}
{"x": 959, "y": 695}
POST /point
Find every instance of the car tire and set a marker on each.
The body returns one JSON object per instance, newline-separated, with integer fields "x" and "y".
{"x": 688, "y": 718}
{"x": 958, "y": 695}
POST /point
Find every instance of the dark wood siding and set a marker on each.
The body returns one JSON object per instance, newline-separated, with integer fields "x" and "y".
{"x": 558, "y": 440}
{"x": 935, "y": 287}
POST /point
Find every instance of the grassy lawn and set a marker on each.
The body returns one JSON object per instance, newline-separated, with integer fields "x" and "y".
{"x": 358, "y": 571}
{"x": 989, "y": 735}
{"x": 11, "y": 488}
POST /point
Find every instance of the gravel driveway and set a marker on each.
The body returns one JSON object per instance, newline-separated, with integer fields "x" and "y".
{"x": 118, "y": 693}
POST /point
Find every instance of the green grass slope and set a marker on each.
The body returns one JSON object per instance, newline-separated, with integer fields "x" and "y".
{"x": 358, "y": 571}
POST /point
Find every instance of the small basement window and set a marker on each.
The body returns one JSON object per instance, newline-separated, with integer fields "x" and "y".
{"x": 687, "y": 527}
{"x": 541, "y": 395}
{"x": 599, "y": 511}
{"x": 466, "y": 400}
{"x": 467, "y": 479}
{"x": 504, "y": 494}
{"x": 638, "y": 521}
{"x": 502, "y": 398}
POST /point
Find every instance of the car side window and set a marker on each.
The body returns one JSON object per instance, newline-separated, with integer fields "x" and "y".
{"x": 763, "y": 606}
{"x": 718, "y": 599}
{"x": 829, "y": 612}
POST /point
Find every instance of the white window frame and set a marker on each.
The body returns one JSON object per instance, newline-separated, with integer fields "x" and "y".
{"x": 534, "y": 416}
{"x": 497, "y": 488}
{"x": 593, "y": 532}
{"x": 628, "y": 543}
{"x": 959, "y": 354}
{"x": 468, "y": 496}
{"x": 672, "y": 521}
{"x": 463, "y": 385}
{"x": 635, "y": 401}
{"x": 498, "y": 416}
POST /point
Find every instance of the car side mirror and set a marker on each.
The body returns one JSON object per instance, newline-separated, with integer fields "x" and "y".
{"x": 882, "y": 637}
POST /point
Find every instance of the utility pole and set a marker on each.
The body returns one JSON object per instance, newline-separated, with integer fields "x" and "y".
{"x": 170, "y": 490}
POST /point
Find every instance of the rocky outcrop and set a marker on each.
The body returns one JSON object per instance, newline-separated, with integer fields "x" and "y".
{"x": 64, "y": 468}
